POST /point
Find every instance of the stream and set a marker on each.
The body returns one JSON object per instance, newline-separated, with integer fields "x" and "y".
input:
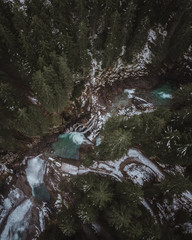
{"x": 25, "y": 208}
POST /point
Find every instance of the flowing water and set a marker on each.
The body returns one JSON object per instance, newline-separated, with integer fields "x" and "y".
{"x": 18, "y": 208}
{"x": 68, "y": 145}
{"x": 18, "y": 219}
{"x": 35, "y": 173}
{"x": 162, "y": 95}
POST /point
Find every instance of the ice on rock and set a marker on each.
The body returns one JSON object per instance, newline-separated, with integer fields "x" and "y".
{"x": 140, "y": 158}
{"x": 7, "y": 204}
{"x": 129, "y": 92}
{"x": 68, "y": 168}
{"x": 138, "y": 173}
{"x": 17, "y": 221}
{"x": 35, "y": 172}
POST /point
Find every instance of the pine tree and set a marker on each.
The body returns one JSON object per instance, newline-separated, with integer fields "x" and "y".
{"x": 113, "y": 42}
{"x": 114, "y": 145}
{"x": 175, "y": 185}
{"x": 82, "y": 36}
{"x": 67, "y": 222}
{"x": 101, "y": 194}
{"x": 87, "y": 213}
{"x": 30, "y": 121}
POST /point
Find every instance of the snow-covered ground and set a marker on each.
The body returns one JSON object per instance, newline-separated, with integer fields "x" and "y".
{"x": 138, "y": 156}
{"x": 137, "y": 167}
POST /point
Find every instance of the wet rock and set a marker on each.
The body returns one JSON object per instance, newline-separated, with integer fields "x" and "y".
{"x": 84, "y": 149}
{"x": 22, "y": 183}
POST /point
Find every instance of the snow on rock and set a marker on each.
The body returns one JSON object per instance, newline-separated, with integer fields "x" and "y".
{"x": 145, "y": 204}
{"x": 187, "y": 228}
{"x": 138, "y": 173}
{"x": 17, "y": 221}
{"x": 43, "y": 211}
{"x": 58, "y": 203}
{"x": 35, "y": 172}
{"x": 167, "y": 209}
{"x": 138, "y": 156}
{"x": 129, "y": 92}
{"x": 96, "y": 227}
{"x": 152, "y": 36}
{"x": 98, "y": 141}
{"x": 145, "y": 56}
{"x": 7, "y": 204}
{"x": 33, "y": 100}
{"x": 68, "y": 168}
{"x": 162, "y": 31}
{"x": 111, "y": 168}
{"x": 173, "y": 169}
{"x": 188, "y": 195}
{"x": 15, "y": 196}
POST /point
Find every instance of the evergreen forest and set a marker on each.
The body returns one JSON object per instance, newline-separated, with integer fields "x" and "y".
{"x": 63, "y": 64}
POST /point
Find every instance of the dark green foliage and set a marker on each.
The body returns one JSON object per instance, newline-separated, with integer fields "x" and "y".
{"x": 54, "y": 84}
{"x": 87, "y": 213}
{"x": 168, "y": 132}
{"x": 114, "y": 145}
{"x": 117, "y": 211}
{"x": 102, "y": 194}
{"x": 183, "y": 97}
{"x": 67, "y": 222}
{"x": 99, "y": 199}
{"x": 83, "y": 45}
{"x": 120, "y": 134}
{"x": 178, "y": 28}
{"x": 113, "y": 43}
{"x": 175, "y": 185}
{"x": 44, "y": 43}
{"x": 30, "y": 121}
{"x": 52, "y": 232}
{"x": 169, "y": 234}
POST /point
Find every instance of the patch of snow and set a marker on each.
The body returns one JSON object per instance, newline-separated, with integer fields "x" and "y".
{"x": 137, "y": 155}
{"x": 9, "y": 179}
{"x": 96, "y": 227}
{"x": 145, "y": 204}
{"x": 188, "y": 195}
{"x": 123, "y": 48}
{"x": 98, "y": 141}
{"x": 14, "y": 197}
{"x": 68, "y": 168}
{"x": 41, "y": 220}
{"x": 58, "y": 164}
{"x": 187, "y": 228}
{"x": 58, "y": 203}
{"x": 129, "y": 92}
{"x": 7, "y": 204}
{"x": 152, "y": 36}
{"x": 33, "y": 100}
{"x": 138, "y": 173}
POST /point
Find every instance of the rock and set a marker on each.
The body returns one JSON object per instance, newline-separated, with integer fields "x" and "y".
{"x": 85, "y": 148}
